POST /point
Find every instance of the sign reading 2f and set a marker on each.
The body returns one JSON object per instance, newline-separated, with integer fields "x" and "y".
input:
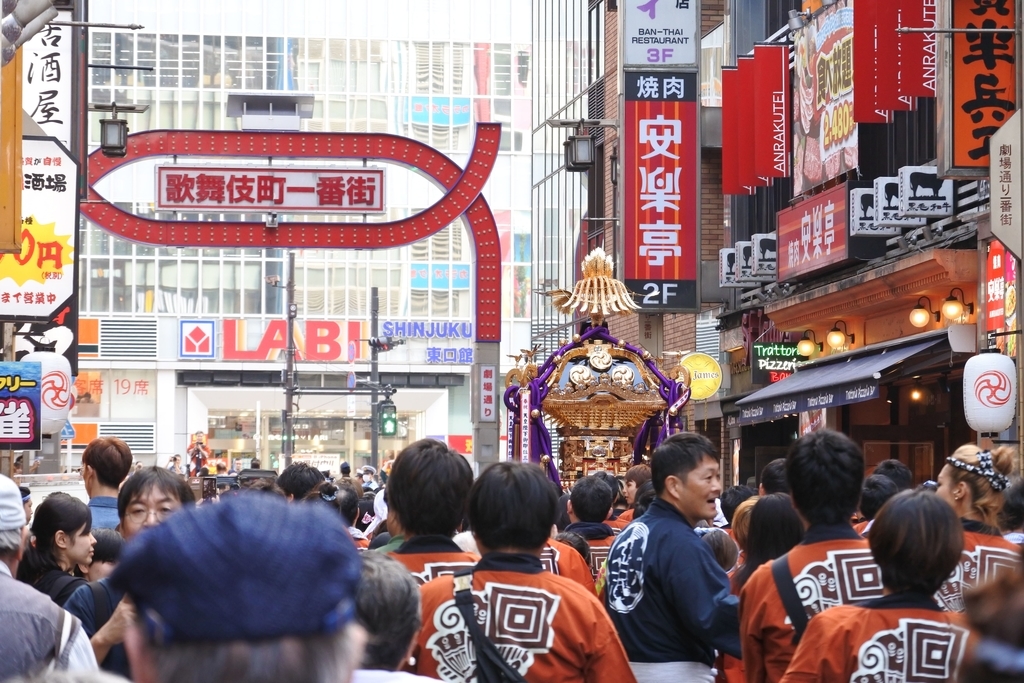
{"x": 662, "y": 32}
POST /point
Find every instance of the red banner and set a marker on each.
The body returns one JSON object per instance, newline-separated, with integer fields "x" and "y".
{"x": 660, "y": 162}
{"x": 865, "y": 56}
{"x": 813, "y": 234}
{"x": 730, "y": 132}
{"x": 771, "y": 115}
{"x": 887, "y": 56}
{"x": 746, "y": 114}
{"x": 917, "y": 50}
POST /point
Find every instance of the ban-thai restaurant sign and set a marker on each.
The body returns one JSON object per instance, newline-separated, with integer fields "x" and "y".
{"x": 813, "y": 235}
{"x": 977, "y": 83}
{"x": 824, "y": 132}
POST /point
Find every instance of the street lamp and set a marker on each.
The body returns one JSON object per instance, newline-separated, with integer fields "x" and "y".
{"x": 114, "y": 131}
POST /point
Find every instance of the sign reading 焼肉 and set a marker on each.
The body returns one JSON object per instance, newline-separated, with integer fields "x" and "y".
{"x": 290, "y": 190}
{"x": 813, "y": 234}
{"x": 660, "y": 176}
{"x": 20, "y": 419}
{"x": 824, "y": 132}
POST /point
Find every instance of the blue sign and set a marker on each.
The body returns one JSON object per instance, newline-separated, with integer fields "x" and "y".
{"x": 440, "y": 111}
{"x": 456, "y": 276}
{"x": 351, "y": 381}
{"x": 419, "y": 277}
{"x": 67, "y": 432}
{"x": 427, "y": 330}
{"x": 20, "y": 417}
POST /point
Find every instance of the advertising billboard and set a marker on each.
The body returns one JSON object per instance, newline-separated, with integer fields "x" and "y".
{"x": 824, "y": 132}
{"x": 813, "y": 234}
{"x": 660, "y": 170}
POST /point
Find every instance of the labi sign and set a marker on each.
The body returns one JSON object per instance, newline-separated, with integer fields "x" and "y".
{"x": 773, "y": 362}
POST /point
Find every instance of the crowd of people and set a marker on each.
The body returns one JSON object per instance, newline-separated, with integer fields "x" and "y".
{"x": 817, "y": 574}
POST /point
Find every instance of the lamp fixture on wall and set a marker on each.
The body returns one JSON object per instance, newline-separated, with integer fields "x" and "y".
{"x": 953, "y": 307}
{"x": 837, "y": 338}
{"x": 921, "y": 315}
{"x": 808, "y": 345}
{"x": 798, "y": 19}
{"x": 916, "y": 392}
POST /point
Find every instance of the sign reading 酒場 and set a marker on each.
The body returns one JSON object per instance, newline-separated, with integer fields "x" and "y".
{"x": 281, "y": 190}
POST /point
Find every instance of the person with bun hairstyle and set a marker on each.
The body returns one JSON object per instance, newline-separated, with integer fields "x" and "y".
{"x": 903, "y": 636}
{"x": 972, "y": 483}
{"x": 345, "y": 501}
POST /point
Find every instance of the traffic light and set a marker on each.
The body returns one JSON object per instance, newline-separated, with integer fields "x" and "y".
{"x": 382, "y": 344}
{"x": 22, "y": 20}
{"x": 388, "y": 418}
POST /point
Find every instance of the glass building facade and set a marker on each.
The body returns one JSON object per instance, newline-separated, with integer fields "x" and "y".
{"x": 426, "y": 69}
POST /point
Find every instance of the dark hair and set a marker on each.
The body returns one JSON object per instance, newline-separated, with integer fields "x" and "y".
{"x": 578, "y": 543}
{"x": 388, "y": 607}
{"x": 204, "y": 471}
{"x": 110, "y": 458}
{"x": 874, "y": 492}
{"x": 262, "y": 484}
{"x": 511, "y": 505}
{"x": 773, "y": 477}
{"x": 824, "y": 470}
{"x": 916, "y": 541}
{"x": 775, "y": 528}
{"x": 638, "y": 474}
{"x": 677, "y": 456}
{"x": 723, "y": 547}
{"x": 149, "y": 478}
{"x": 895, "y": 470}
{"x": 643, "y": 499}
{"x": 591, "y": 499}
{"x": 613, "y": 484}
{"x": 732, "y": 497}
{"x": 57, "y": 512}
{"x": 254, "y": 464}
{"x": 109, "y": 545}
{"x": 1011, "y": 517}
{"x": 428, "y": 488}
{"x": 343, "y": 499}
{"x": 995, "y": 611}
{"x": 298, "y": 479}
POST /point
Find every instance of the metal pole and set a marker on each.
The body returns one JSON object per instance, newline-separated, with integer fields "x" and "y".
{"x": 288, "y": 429}
{"x": 374, "y": 379}
{"x": 7, "y": 458}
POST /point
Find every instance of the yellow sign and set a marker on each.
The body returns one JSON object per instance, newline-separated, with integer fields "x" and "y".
{"x": 705, "y": 375}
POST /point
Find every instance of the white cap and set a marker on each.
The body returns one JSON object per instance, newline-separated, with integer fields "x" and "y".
{"x": 12, "y": 511}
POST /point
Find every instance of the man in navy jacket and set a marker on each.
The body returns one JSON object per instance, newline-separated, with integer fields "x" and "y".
{"x": 667, "y": 596}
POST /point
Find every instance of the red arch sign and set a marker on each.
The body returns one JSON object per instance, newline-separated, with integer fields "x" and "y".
{"x": 462, "y": 198}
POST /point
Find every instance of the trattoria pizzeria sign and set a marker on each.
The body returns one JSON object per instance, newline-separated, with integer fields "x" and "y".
{"x": 277, "y": 189}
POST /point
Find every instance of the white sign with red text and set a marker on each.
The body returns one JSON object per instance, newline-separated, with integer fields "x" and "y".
{"x": 282, "y": 190}
{"x": 488, "y": 393}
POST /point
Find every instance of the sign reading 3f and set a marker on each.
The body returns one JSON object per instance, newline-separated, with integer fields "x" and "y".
{"x": 660, "y": 32}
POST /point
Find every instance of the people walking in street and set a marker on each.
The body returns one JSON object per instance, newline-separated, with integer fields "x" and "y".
{"x": 1011, "y": 517}
{"x": 636, "y": 476}
{"x": 35, "y": 633}
{"x": 904, "y": 636}
{"x": 105, "y": 555}
{"x": 972, "y": 482}
{"x": 298, "y": 479}
{"x": 106, "y": 463}
{"x": 506, "y": 611}
{"x": 824, "y": 471}
{"x": 285, "y": 615}
{"x": 345, "y": 501}
{"x": 426, "y": 495}
{"x": 146, "y": 500}
{"x": 873, "y": 493}
{"x": 667, "y": 596}
{"x": 590, "y": 503}
{"x": 61, "y": 540}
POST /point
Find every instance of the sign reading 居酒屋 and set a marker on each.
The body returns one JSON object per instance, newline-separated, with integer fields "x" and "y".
{"x": 660, "y": 32}
{"x": 813, "y": 234}
{"x": 660, "y": 175}
{"x": 824, "y": 132}
{"x": 977, "y": 86}
{"x": 281, "y": 190}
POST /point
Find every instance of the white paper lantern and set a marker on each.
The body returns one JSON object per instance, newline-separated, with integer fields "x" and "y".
{"x": 55, "y": 393}
{"x": 990, "y": 392}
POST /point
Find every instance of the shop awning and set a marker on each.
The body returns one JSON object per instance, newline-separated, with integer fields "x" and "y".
{"x": 827, "y": 385}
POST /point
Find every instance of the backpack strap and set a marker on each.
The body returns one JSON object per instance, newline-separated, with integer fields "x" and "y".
{"x": 491, "y": 667}
{"x": 790, "y": 600}
{"x": 101, "y": 604}
{"x": 60, "y": 584}
{"x": 65, "y": 623}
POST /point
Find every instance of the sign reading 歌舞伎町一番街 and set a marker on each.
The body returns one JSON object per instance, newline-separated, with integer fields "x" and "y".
{"x": 291, "y": 190}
